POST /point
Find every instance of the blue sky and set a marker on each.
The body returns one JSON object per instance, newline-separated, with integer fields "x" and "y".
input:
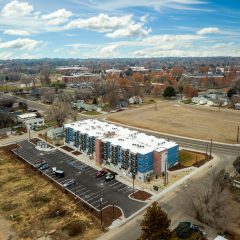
{"x": 126, "y": 28}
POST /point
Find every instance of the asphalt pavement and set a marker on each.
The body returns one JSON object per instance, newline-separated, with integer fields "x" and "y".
{"x": 88, "y": 188}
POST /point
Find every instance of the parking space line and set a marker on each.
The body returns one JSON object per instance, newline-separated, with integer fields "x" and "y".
{"x": 113, "y": 184}
{"x": 79, "y": 190}
{"x": 91, "y": 171}
{"x": 95, "y": 202}
{"x": 97, "y": 195}
{"x": 78, "y": 187}
{"x": 104, "y": 204}
{"x": 119, "y": 185}
{"x": 84, "y": 192}
{"x": 129, "y": 190}
{"x": 62, "y": 180}
{"x": 119, "y": 190}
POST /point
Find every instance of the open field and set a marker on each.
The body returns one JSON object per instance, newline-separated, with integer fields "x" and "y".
{"x": 193, "y": 121}
{"x": 36, "y": 208}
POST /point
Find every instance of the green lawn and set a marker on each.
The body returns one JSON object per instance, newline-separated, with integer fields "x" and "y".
{"x": 91, "y": 113}
{"x": 188, "y": 158}
{"x": 187, "y": 101}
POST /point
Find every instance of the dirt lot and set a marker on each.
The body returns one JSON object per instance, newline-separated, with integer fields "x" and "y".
{"x": 35, "y": 208}
{"x": 193, "y": 121}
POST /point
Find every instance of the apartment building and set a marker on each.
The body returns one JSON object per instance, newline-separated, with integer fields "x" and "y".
{"x": 126, "y": 151}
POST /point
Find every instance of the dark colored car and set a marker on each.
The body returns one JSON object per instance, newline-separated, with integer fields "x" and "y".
{"x": 109, "y": 177}
{"x": 43, "y": 167}
{"x": 101, "y": 173}
{"x": 39, "y": 164}
{"x": 69, "y": 183}
{"x": 58, "y": 173}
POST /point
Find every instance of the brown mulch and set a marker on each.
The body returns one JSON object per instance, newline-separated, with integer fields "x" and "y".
{"x": 76, "y": 153}
{"x": 109, "y": 215}
{"x": 198, "y": 164}
{"x": 34, "y": 141}
{"x": 9, "y": 147}
{"x": 67, "y": 148}
{"x": 141, "y": 195}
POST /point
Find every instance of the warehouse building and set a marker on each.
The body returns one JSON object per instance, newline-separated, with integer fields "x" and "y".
{"x": 127, "y": 151}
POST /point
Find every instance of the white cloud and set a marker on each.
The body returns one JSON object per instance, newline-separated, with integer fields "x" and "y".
{"x": 109, "y": 51}
{"x": 20, "y": 43}
{"x": 116, "y": 27}
{"x": 5, "y": 55}
{"x": 16, "y": 32}
{"x": 101, "y": 23}
{"x": 16, "y": 9}
{"x": 223, "y": 45}
{"x": 111, "y": 6}
{"x": 209, "y": 30}
{"x": 57, "y": 17}
{"x": 135, "y": 29}
{"x": 144, "y": 18}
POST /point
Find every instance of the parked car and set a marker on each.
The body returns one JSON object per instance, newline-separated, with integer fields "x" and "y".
{"x": 58, "y": 173}
{"x": 39, "y": 164}
{"x": 43, "y": 167}
{"x": 109, "y": 177}
{"x": 101, "y": 173}
{"x": 69, "y": 183}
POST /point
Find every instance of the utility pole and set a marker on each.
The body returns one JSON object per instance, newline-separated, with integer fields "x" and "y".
{"x": 133, "y": 177}
{"x": 17, "y": 149}
{"x": 238, "y": 134}
{"x": 211, "y": 148}
{"x": 207, "y": 151}
{"x": 101, "y": 209}
{"x": 165, "y": 174}
{"x": 113, "y": 212}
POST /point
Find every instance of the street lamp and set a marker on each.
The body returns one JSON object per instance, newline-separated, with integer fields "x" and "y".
{"x": 113, "y": 212}
{"x": 165, "y": 172}
{"x": 17, "y": 150}
{"x": 133, "y": 177}
{"x": 101, "y": 199}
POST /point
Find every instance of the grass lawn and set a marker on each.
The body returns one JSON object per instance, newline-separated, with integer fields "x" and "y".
{"x": 187, "y": 101}
{"x": 189, "y": 158}
{"x": 92, "y": 113}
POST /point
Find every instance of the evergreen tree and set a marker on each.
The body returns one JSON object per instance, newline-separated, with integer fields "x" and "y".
{"x": 155, "y": 225}
{"x": 169, "y": 92}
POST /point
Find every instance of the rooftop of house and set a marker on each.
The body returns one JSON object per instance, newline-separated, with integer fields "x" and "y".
{"x": 135, "y": 141}
{"x": 34, "y": 120}
{"x": 27, "y": 115}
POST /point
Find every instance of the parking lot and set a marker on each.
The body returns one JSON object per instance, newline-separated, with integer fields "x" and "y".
{"x": 88, "y": 188}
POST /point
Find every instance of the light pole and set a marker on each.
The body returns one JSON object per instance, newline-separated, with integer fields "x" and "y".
{"x": 211, "y": 148}
{"x": 17, "y": 149}
{"x": 101, "y": 209}
{"x": 238, "y": 135}
{"x": 133, "y": 177}
{"x": 113, "y": 212}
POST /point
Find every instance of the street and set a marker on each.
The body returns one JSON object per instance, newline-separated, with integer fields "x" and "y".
{"x": 174, "y": 202}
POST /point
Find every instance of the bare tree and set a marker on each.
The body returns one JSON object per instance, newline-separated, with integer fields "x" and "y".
{"x": 45, "y": 77}
{"x": 47, "y": 95}
{"x": 208, "y": 201}
{"x": 60, "y": 111}
{"x": 83, "y": 94}
{"x": 65, "y": 97}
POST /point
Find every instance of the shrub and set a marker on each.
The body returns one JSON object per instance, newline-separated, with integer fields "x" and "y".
{"x": 75, "y": 228}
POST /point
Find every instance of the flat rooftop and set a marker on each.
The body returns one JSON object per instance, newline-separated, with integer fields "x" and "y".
{"x": 136, "y": 142}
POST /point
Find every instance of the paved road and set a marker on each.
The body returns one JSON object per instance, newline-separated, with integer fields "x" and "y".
{"x": 174, "y": 203}
{"x": 34, "y": 104}
{"x": 200, "y": 145}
